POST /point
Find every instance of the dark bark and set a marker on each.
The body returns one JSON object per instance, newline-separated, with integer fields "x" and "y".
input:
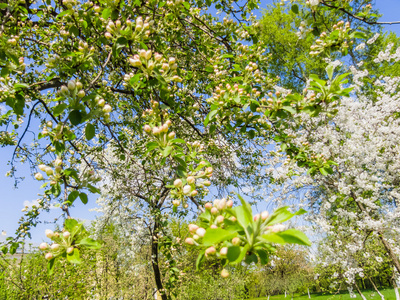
{"x": 155, "y": 263}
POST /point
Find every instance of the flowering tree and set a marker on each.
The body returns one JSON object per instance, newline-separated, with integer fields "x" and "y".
{"x": 173, "y": 95}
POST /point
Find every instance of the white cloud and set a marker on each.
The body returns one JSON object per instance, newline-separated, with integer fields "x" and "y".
{"x": 31, "y": 203}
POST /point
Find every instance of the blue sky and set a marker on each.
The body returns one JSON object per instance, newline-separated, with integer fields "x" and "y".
{"x": 12, "y": 200}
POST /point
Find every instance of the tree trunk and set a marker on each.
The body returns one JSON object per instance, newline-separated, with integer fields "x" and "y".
{"x": 154, "y": 262}
{"x": 376, "y": 289}
{"x": 396, "y": 291}
{"x": 285, "y": 294}
{"x": 359, "y": 291}
{"x": 390, "y": 252}
{"x": 308, "y": 292}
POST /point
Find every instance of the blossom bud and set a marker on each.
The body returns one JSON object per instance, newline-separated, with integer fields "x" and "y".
{"x": 196, "y": 237}
{"x": 135, "y": 62}
{"x": 171, "y": 135}
{"x": 48, "y": 256}
{"x": 148, "y": 54}
{"x": 236, "y": 241}
{"x": 213, "y": 226}
{"x": 208, "y": 206}
{"x": 207, "y": 183}
{"x": 42, "y": 168}
{"x": 256, "y": 217}
{"x": 38, "y": 176}
{"x": 264, "y": 215}
{"x": 194, "y": 193}
{"x": 97, "y": 8}
{"x": 176, "y": 202}
{"x": 139, "y": 21}
{"x": 66, "y": 234}
{"x": 189, "y": 241}
{"x": 43, "y": 246}
{"x": 101, "y": 102}
{"x": 157, "y": 56}
{"x": 210, "y": 251}
{"x": 214, "y": 210}
{"x": 49, "y": 171}
{"x": 221, "y": 204}
{"x": 49, "y": 233}
{"x": 64, "y": 90}
{"x": 156, "y": 130}
{"x": 190, "y": 179}
{"x": 224, "y": 273}
{"x": 58, "y": 162}
{"x": 108, "y": 35}
{"x": 81, "y": 94}
{"x": 55, "y": 247}
{"x": 187, "y": 189}
{"x": 193, "y": 227}
{"x": 165, "y": 67}
{"x": 229, "y": 203}
{"x": 178, "y": 183}
{"x": 277, "y": 228}
{"x": 147, "y": 128}
{"x": 233, "y": 219}
{"x": 223, "y": 251}
{"x": 201, "y": 232}
{"x": 209, "y": 170}
{"x": 171, "y": 60}
{"x": 49, "y": 124}
{"x": 220, "y": 219}
{"x": 70, "y": 250}
{"x": 107, "y": 108}
{"x": 71, "y": 85}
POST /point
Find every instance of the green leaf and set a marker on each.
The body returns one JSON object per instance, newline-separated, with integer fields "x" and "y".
{"x": 295, "y": 8}
{"x": 294, "y": 236}
{"x": 74, "y": 30}
{"x": 70, "y": 224}
{"x": 84, "y": 198}
{"x": 90, "y": 131}
{"x": 199, "y": 260}
{"x": 233, "y": 253}
{"x": 72, "y": 196}
{"x": 263, "y": 256}
{"x": 21, "y": 85}
{"x": 210, "y": 117}
{"x": 217, "y": 235}
{"x": 283, "y": 214}
{"x": 59, "y": 109}
{"x": 329, "y": 70}
{"x": 106, "y": 13}
{"x": 50, "y": 266}
{"x": 75, "y": 117}
{"x": 242, "y": 255}
{"x": 90, "y": 243}
{"x": 74, "y": 257}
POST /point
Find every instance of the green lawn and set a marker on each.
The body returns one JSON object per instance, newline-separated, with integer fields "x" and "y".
{"x": 369, "y": 294}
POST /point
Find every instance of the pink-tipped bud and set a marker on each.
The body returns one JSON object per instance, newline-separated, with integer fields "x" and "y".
{"x": 207, "y": 183}
{"x": 196, "y": 237}
{"x": 214, "y": 211}
{"x": 229, "y": 203}
{"x": 55, "y": 247}
{"x": 156, "y": 130}
{"x": 178, "y": 183}
{"x": 189, "y": 241}
{"x": 208, "y": 206}
{"x": 193, "y": 228}
{"x": 187, "y": 189}
{"x": 70, "y": 250}
{"x": 43, "y": 246}
{"x": 49, "y": 233}
{"x": 224, "y": 273}
{"x": 223, "y": 251}
{"x": 233, "y": 219}
{"x": 168, "y": 122}
{"x": 213, "y": 226}
{"x": 264, "y": 215}
{"x": 256, "y": 217}
{"x": 176, "y": 202}
{"x": 277, "y": 228}
{"x": 191, "y": 179}
{"x": 171, "y": 135}
{"x": 201, "y": 232}
{"x": 236, "y": 241}
{"x": 147, "y": 128}
{"x": 210, "y": 251}
{"x": 194, "y": 193}
{"x": 220, "y": 219}
{"x": 48, "y": 256}
{"x": 66, "y": 234}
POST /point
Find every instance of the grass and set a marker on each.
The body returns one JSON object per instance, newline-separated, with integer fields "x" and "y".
{"x": 344, "y": 295}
